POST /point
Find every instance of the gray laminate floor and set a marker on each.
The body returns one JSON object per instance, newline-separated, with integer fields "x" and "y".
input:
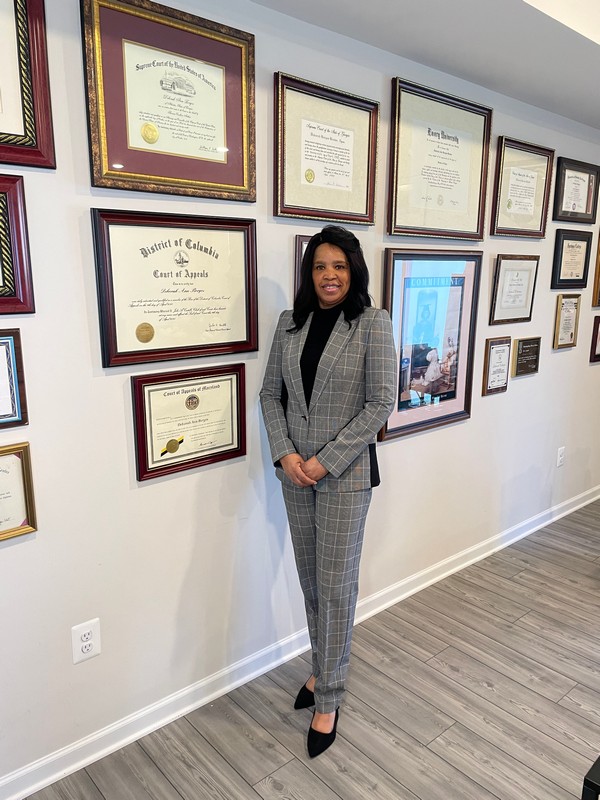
{"x": 486, "y": 685}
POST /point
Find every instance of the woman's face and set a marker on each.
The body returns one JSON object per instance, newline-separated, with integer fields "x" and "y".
{"x": 331, "y": 275}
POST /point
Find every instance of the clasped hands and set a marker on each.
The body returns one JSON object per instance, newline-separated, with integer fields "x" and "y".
{"x": 302, "y": 473}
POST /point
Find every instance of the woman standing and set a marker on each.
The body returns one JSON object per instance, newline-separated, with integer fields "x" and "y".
{"x": 329, "y": 387}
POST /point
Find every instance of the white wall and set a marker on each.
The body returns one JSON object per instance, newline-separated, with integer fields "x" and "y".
{"x": 191, "y": 575}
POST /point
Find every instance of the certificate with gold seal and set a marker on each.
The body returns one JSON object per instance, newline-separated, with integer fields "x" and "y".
{"x": 188, "y": 419}
{"x": 174, "y": 286}
{"x": 17, "y": 507}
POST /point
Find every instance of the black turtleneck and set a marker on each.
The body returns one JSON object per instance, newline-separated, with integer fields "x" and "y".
{"x": 321, "y": 325}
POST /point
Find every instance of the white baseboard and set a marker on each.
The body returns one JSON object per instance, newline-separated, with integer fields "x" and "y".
{"x": 21, "y": 783}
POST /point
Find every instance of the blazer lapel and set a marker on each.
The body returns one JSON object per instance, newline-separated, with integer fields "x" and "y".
{"x": 296, "y": 346}
{"x": 333, "y": 349}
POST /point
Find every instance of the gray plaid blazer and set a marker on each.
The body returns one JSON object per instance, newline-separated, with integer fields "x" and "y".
{"x": 353, "y": 395}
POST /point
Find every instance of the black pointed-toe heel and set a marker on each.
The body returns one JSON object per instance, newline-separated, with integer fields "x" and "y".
{"x": 304, "y": 699}
{"x": 318, "y": 742}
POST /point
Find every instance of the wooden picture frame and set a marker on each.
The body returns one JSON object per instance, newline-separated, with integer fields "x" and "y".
{"x": 513, "y": 288}
{"x": 576, "y": 191}
{"x": 174, "y": 286}
{"x": 566, "y": 324}
{"x": 188, "y": 419}
{"x": 17, "y": 504}
{"x": 431, "y": 296}
{"x": 438, "y": 163}
{"x": 170, "y": 101}
{"x": 526, "y": 356}
{"x": 16, "y": 282}
{"x": 325, "y": 152}
{"x": 26, "y": 135}
{"x": 13, "y": 397}
{"x": 521, "y": 189}
{"x": 571, "y": 261}
{"x": 496, "y": 365}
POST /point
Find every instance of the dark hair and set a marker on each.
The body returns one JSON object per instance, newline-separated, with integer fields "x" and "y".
{"x": 357, "y": 298}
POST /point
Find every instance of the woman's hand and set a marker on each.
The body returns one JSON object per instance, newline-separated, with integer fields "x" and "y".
{"x": 314, "y": 469}
{"x": 294, "y": 467}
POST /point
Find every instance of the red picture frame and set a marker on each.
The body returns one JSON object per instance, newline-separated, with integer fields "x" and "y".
{"x": 16, "y": 289}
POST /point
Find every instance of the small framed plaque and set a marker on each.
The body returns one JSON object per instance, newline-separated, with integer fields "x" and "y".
{"x": 596, "y": 291}
{"x": 566, "y": 324}
{"x": 522, "y": 189}
{"x": 439, "y": 162}
{"x": 13, "y": 400}
{"x": 513, "y": 289}
{"x": 174, "y": 286}
{"x": 188, "y": 419}
{"x": 576, "y": 191}
{"x": 26, "y": 136}
{"x": 571, "y": 259}
{"x": 17, "y": 506}
{"x": 526, "y": 356}
{"x": 170, "y": 101}
{"x": 16, "y": 286}
{"x": 496, "y": 365}
{"x": 300, "y": 249}
{"x": 326, "y": 152}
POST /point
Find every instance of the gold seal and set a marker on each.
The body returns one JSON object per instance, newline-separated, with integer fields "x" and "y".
{"x": 309, "y": 175}
{"x": 192, "y": 402}
{"x": 144, "y": 332}
{"x": 149, "y": 133}
{"x": 172, "y": 446}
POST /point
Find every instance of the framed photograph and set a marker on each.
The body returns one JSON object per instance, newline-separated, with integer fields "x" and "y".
{"x": 439, "y": 163}
{"x": 16, "y": 285}
{"x": 567, "y": 320}
{"x": 13, "y": 400}
{"x": 595, "y": 348}
{"x": 325, "y": 152}
{"x": 496, "y": 365}
{"x": 596, "y": 291}
{"x": 571, "y": 259}
{"x": 431, "y": 296}
{"x": 26, "y": 136}
{"x": 300, "y": 249}
{"x": 17, "y": 505}
{"x": 513, "y": 288}
{"x": 188, "y": 419}
{"x": 170, "y": 101}
{"x": 174, "y": 286}
{"x": 576, "y": 191}
{"x": 521, "y": 189}
{"x": 526, "y": 356}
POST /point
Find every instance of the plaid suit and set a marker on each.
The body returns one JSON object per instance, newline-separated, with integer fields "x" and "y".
{"x": 353, "y": 394}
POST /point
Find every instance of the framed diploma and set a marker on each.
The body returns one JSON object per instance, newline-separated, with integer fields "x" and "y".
{"x": 17, "y": 506}
{"x": 300, "y": 249}
{"x": 16, "y": 286}
{"x": 521, "y": 189}
{"x": 526, "y": 356}
{"x": 174, "y": 286}
{"x": 595, "y": 347}
{"x": 571, "y": 259}
{"x": 567, "y": 320}
{"x": 576, "y": 191}
{"x": 513, "y": 288}
{"x": 188, "y": 419}
{"x": 13, "y": 400}
{"x": 496, "y": 365}
{"x": 439, "y": 162}
{"x": 325, "y": 152}
{"x": 26, "y": 136}
{"x": 170, "y": 101}
{"x": 596, "y": 291}
{"x": 431, "y": 296}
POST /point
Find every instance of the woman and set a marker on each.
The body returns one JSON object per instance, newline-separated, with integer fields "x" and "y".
{"x": 329, "y": 387}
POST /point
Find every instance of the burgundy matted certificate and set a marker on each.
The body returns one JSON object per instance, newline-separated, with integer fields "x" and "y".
{"x": 171, "y": 101}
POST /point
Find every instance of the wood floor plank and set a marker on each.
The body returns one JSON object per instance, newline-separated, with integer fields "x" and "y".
{"x": 500, "y": 773}
{"x": 239, "y": 739}
{"x": 542, "y": 753}
{"x": 573, "y": 562}
{"x": 130, "y": 774}
{"x": 553, "y": 572}
{"x": 294, "y": 782}
{"x": 74, "y": 787}
{"x": 409, "y": 637}
{"x": 583, "y": 701}
{"x": 488, "y": 638}
{"x": 192, "y": 766}
{"x": 566, "y": 542}
{"x": 482, "y": 597}
{"x": 530, "y": 707}
{"x": 570, "y": 640}
{"x": 499, "y": 565}
{"x": 576, "y": 596}
{"x": 411, "y": 763}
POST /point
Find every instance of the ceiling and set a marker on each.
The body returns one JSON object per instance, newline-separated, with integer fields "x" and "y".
{"x": 508, "y": 46}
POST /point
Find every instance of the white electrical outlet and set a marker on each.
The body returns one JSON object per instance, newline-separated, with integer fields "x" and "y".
{"x": 560, "y": 457}
{"x": 85, "y": 640}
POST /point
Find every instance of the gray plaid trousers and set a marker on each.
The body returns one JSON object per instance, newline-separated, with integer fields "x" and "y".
{"x": 327, "y": 533}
